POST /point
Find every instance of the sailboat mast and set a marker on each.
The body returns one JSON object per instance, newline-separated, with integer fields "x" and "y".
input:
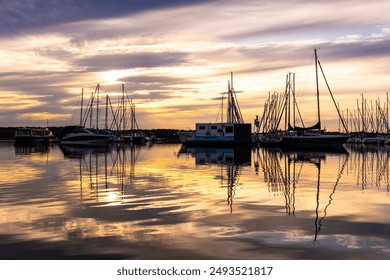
{"x": 123, "y": 108}
{"x": 132, "y": 114}
{"x": 286, "y": 120}
{"x": 81, "y": 107}
{"x": 106, "y": 120}
{"x": 97, "y": 107}
{"x": 233, "y": 119}
{"x": 363, "y": 116}
{"x": 228, "y": 117}
{"x": 387, "y": 111}
{"x": 294, "y": 104}
{"x": 318, "y": 91}
{"x": 222, "y": 110}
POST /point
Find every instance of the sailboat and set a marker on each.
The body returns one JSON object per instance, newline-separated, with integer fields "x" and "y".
{"x": 124, "y": 115}
{"x": 232, "y": 132}
{"x": 80, "y": 135}
{"x": 313, "y": 136}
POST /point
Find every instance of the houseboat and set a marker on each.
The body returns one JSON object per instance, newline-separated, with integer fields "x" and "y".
{"x": 32, "y": 135}
{"x": 232, "y": 132}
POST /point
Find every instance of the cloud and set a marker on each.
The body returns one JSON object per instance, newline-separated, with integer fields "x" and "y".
{"x": 106, "y": 62}
{"x": 21, "y": 16}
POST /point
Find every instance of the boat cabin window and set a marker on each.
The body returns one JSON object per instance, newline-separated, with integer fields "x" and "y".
{"x": 214, "y": 127}
{"x": 229, "y": 129}
{"x": 202, "y": 127}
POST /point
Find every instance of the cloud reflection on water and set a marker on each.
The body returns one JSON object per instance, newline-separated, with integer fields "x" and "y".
{"x": 157, "y": 203}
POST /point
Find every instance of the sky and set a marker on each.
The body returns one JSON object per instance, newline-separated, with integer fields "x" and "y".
{"x": 175, "y": 57}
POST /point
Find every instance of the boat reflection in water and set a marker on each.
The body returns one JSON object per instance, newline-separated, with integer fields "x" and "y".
{"x": 370, "y": 164}
{"x": 230, "y": 160}
{"x": 107, "y": 168}
{"x": 286, "y": 173}
{"x": 31, "y": 149}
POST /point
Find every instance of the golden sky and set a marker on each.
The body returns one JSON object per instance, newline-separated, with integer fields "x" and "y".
{"x": 175, "y": 57}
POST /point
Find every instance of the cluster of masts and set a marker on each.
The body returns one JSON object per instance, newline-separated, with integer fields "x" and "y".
{"x": 122, "y": 116}
{"x": 369, "y": 116}
{"x": 368, "y": 123}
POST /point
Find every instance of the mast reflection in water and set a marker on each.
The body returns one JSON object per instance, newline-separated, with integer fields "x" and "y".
{"x": 170, "y": 202}
{"x": 230, "y": 161}
{"x": 283, "y": 172}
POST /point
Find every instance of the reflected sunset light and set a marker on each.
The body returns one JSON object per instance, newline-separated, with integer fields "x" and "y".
{"x": 191, "y": 200}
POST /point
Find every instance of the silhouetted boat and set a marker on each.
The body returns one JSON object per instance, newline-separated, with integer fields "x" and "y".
{"x": 314, "y": 136}
{"x": 32, "y": 135}
{"x": 79, "y": 135}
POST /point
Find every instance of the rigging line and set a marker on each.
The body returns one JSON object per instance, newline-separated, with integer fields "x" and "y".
{"x": 331, "y": 94}
{"x": 132, "y": 109}
{"x": 280, "y": 115}
{"x": 299, "y": 112}
{"x": 114, "y": 116}
{"x": 74, "y": 112}
{"x": 303, "y": 86}
{"x": 216, "y": 119}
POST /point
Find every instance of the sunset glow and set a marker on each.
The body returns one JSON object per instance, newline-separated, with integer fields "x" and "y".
{"x": 175, "y": 57}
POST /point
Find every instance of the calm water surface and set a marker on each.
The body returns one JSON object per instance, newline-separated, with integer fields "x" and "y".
{"x": 169, "y": 202}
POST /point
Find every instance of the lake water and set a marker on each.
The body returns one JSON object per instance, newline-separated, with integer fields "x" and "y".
{"x": 167, "y": 202}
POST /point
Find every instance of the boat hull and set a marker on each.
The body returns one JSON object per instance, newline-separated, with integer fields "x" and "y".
{"x": 32, "y": 136}
{"x": 30, "y": 141}
{"x": 313, "y": 141}
{"x": 86, "y": 140}
{"x": 218, "y": 135}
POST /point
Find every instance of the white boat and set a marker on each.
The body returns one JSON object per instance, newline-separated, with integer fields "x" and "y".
{"x": 84, "y": 137}
{"x": 218, "y": 134}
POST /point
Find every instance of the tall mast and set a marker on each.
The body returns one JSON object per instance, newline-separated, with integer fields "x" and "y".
{"x": 363, "y": 116}
{"x": 106, "y": 120}
{"x": 123, "y": 107}
{"x": 81, "y": 107}
{"x": 132, "y": 112}
{"x": 294, "y": 104}
{"x": 229, "y": 105}
{"x": 222, "y": 110}
{"x": 318, "y": 91}
{"x": 97, "y": 107}
{"x": 289, "y": 99}
{"x": 230, "y": 117}
{"x": 286, "y": 120}
{"x": 387, "y": 111}
{"x": 358, "y": 117}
